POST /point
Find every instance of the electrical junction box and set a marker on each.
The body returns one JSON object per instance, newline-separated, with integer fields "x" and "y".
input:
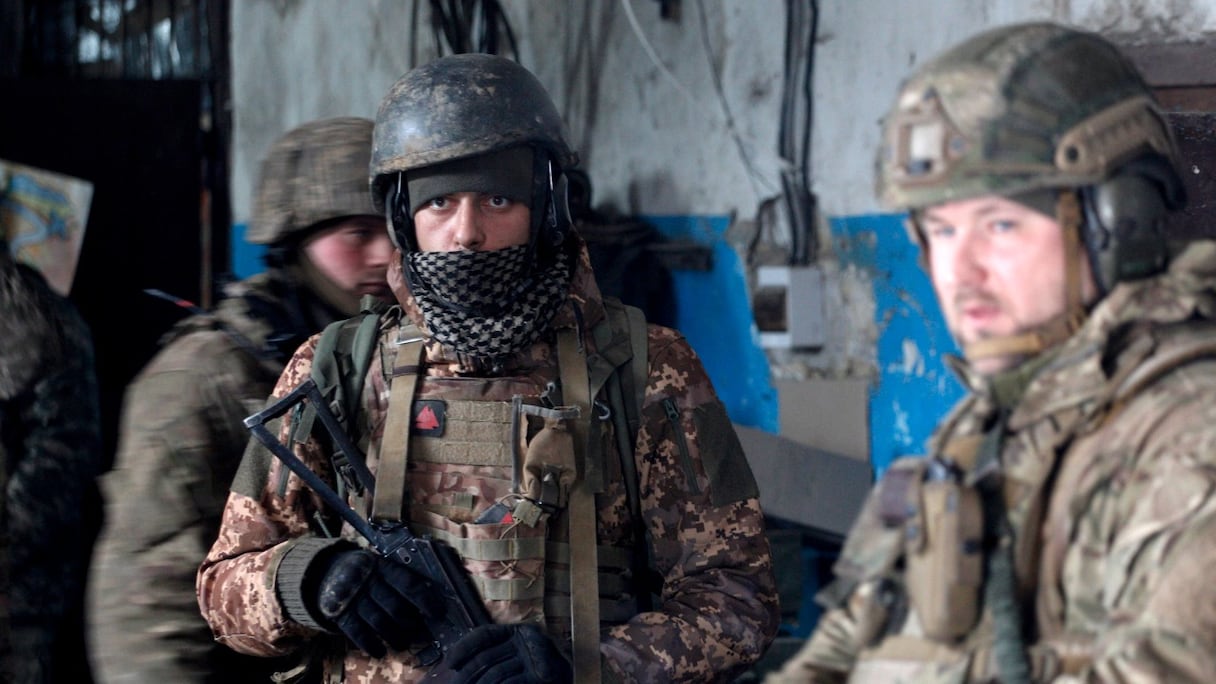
{"x": 788, "y": 307}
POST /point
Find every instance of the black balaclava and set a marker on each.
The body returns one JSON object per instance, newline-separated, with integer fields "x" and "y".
{"x": 485, "y": 304}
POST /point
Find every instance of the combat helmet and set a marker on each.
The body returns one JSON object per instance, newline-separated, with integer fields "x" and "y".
{"x": 1037, "y": 107}
{"x": 314, "y": 173}
{"x": 462, "y": 106}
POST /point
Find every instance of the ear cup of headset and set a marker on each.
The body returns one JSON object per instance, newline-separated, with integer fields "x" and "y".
{"x": 1124, "y": 234}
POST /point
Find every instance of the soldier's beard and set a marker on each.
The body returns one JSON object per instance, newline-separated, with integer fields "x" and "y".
{"x": 487, "y": 304}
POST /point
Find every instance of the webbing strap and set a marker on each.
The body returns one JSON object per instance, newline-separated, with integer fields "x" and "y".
{"x": 1000, "y": 586}
{"x": 612, "y": 610}
{"x": 388, "y": 502}
{"x": 610, "y": 556}
{"x": 513, "y": 589}
{"x": 638, "y": 343}
{"x": 611, "y": 583}
{"x": 505, "y": 549}
{"x": 364, "y": 341}
{"x": 584, "y": 604}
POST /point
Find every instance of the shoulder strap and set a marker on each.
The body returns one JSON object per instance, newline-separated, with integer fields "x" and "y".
{"x": 626, "y": 391}
{"x": 388, "y": 504}
{"x": 631, "y": 367}
{"x": 339, "y": 368}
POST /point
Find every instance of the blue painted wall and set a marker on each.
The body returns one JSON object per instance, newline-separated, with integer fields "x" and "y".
{"x": 246, "y": 258}
{"x": 714, "y": 313}
{"x": 914, "y": 388}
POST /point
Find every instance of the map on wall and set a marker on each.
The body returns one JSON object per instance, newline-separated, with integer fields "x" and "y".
{"x": 43, "y": 215}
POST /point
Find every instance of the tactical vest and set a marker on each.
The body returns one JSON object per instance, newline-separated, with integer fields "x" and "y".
{"x": 494, "y": 470}
{"x": 930, "y": 613}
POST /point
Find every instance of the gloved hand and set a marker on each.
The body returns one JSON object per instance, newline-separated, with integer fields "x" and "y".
{"x": 504, "y": 654}
{"x": 376, "y": 601}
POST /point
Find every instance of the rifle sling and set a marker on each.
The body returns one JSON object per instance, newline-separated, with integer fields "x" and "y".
{"x": 584, "y": 565}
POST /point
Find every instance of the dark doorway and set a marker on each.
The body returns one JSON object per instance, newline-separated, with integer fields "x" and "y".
{"x": 132, "y": 96}
{"x": 1184, "y": 79}
{"x": 140, "y": 145}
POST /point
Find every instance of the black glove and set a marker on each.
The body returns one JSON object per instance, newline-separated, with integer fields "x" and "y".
{"x": 376, "y": 601}
{"x": 504, "y": 654}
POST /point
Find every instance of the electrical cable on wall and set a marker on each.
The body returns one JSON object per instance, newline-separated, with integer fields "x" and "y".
{"x": 471, "y": 26}
{"x": 794, "y": 143}
{"x": 650, "y": 51}
{"x": 754, "y": 176}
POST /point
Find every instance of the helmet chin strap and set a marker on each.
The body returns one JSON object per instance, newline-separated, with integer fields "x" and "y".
{"x": 1060, "y": 327}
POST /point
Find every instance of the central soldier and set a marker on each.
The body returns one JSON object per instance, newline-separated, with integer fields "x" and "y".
{"x": 543, "y": 431}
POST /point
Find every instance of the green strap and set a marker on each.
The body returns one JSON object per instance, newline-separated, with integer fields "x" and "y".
{"x": 609, "y": 556}
{"x": 1000, "y": 587}
{"x": 388, "y": 502}
{"x": 611, "y": 610}
{"x": 640, "y": 363}
{"x": 584, "y": 604}
{"x": 505, "y": 549}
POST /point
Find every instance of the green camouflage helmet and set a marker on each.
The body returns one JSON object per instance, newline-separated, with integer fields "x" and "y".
{"x": 315, "y": 172}
{"x": 1015, "y": 109}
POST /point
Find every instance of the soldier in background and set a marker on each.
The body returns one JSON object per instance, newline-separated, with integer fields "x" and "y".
{"x": 577, "y": 459}
{"x": 182, "y": 433}
{"x": 50, "y": 452}
{"x": 1063, "y": 525}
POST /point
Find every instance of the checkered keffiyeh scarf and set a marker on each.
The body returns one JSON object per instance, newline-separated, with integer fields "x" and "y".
{"x": 487, "y": 304}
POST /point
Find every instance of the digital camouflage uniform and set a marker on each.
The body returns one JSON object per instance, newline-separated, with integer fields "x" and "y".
{"x": 50, "y": 451}
{"x": 182, "y": 431}
{"x": 181, "y": 441}
{"x": 718, "y": 608}
{"x": 1113, "y": 560}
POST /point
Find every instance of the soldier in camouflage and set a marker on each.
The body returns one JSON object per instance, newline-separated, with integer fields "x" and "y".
{"x": 492, "y": 357}
{"x": 182, "y": 434}
{"x": 50, "y": 451}
{"x": 1063, "y": 525}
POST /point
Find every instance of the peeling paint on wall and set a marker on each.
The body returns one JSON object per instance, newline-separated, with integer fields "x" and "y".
{"x": 715, "y": 315}
{"x": 912, "y": 388}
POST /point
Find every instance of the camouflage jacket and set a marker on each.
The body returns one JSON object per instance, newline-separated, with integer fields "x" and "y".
{"x": 50, "y": 450}
{"x": 717, "y": 611}
{"x": 1109, "y": 478}
{"x": 182, "y": 436}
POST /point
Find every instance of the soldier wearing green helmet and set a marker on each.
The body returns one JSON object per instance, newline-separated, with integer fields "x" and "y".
{"x": 182, "y": 434}
{"x": 1061, "y": 526}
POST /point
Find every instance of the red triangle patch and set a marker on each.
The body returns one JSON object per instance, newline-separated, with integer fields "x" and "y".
{"x": 426, "y": 420}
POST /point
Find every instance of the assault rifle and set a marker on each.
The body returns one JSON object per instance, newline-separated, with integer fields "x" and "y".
{"x": 429, "y": 557}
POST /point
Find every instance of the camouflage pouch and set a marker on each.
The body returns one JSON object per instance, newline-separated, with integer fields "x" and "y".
{"x": 505, "y": 560}
{"x": 548, "y": 462}
{"x": 945, "y": 561}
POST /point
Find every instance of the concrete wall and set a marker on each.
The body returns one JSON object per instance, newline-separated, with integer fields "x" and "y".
{"x": 655, "y": 139}
{"x": 680, "y": 118}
